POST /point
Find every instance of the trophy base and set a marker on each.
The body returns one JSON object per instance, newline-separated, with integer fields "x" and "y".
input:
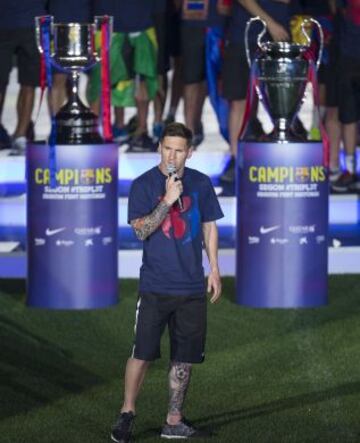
{"x": 76, "y": 124}
{"x": 296, "y": 133}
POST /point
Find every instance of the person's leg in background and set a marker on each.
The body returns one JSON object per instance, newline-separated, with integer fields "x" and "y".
{"x": 5, "y": 140}
{"x": 29, "y": 78}
{"x": 58, "y": 94}
{"x": 349, "y": 115}
{"x": 163, "y": 65}
{"x": 177, "y": 88}
{"x": 195, "y": 87}
{"x": 235, "y": 76}
{"x": 174, "y": 45}
{"x": 7, "y": 48}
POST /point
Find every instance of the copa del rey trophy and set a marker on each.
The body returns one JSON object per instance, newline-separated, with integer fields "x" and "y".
{"x": 72, "y": 181}
{"x": 70, "y": 48}
{"x": 280, "y": 74}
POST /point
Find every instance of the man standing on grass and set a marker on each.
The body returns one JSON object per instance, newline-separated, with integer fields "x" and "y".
{"x": 173, "y": 214}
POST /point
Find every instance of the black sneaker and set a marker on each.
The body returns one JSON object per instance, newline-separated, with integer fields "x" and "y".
{"x": 142, "y": 143}
{"x": 5, "y": 140}
{"x": 198, "y": 136}
{"x": 228, "y": 174}
{"x": 183, "y": 430}
{"x": 355, "y": 186}
{"x": 344, "y": 182}
{"x": 30, "y": 132}
{"x": 121, "y": 431}
{"x": 132, "y": 125}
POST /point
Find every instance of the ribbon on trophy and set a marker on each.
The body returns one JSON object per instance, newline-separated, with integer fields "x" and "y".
{"x": 46, "y": 80}
{"x": 105, "y": 78}
{"x": 250, "y": 94}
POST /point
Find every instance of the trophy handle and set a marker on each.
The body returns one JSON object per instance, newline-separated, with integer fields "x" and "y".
{"x": 308, "y": 39}
{"x": 98, "y": 21}
{"x": 260, "y": 36}
{"x": 38, "y": 29}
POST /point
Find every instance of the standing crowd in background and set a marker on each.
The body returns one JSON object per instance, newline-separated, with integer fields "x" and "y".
{"x": 155, "y": 38}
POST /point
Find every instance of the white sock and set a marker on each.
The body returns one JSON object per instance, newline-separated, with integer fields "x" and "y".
{"x": 350, "y": 163}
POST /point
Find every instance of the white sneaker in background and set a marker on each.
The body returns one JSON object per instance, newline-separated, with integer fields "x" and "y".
{"x": 18, "y": 146}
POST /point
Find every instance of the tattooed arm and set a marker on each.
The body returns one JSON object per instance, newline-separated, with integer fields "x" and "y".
{"x": 145, "y": 226}
{"x": 148, "y": 224}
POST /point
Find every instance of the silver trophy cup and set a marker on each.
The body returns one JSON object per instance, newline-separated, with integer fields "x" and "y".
{"x": 282, "y": 75}
{"x": 72, "y": 50}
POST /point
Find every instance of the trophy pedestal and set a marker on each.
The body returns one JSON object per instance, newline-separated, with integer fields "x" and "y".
{"x": 282, "y": 208}
{"x": 76, "y": 124}
{"x": 72, "y": 228}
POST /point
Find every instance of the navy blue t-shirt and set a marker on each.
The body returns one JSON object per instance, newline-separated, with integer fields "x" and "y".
{"x": 172, "y": 255}
{"x": 159, "y": 6}
{"x": 70, "y": 11}
{"x": 213, "y": 19}
{"x": 281, "y": 12}
{"x": 315, "y": 7}
{"x": 20, "y": 13}
{"x": 129, "y": 16}
{"x": 350, "y": 32}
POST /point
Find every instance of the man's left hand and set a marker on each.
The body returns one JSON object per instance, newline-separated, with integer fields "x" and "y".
{"x": 214, "y": 286}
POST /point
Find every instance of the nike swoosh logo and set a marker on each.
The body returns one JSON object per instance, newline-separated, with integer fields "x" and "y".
{"x": 50, "y": 232}
{"x": 269, "y": 229}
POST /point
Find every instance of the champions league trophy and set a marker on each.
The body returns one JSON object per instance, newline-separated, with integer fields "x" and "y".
{"x": 72, "y": 50}
{"x": 281, "y": 71}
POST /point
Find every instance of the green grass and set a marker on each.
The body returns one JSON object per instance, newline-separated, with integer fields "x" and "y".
{"x": 269, "y": 376}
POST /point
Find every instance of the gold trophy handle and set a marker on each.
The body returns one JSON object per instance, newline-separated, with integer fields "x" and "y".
{"x": 308, "y": 39}
{"x": 260, "y": 36}
{"x": 38, "y": 29}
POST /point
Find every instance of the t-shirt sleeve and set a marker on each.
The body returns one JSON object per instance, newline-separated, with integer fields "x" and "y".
{"x": 209, "y": 204}
{"x": 139, "y": 203}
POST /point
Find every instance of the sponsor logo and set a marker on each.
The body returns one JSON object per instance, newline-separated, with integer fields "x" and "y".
{"x": 95, "y": 230}
{"x": 336, "y": 243}
{"x": 253, "y": 240}
{"x": 302, "y": 229}
{"x": 303, "y": 241}
{"x": 66, "y": 243}
{"x": 39, "y": 241}
{"x": 264, "y": 230}
{"x": 107, "y": 240}
{"x": 279, "y": 241}
{"x": 49, "y": 232}
{"x": 89, "y": 242}
{"x": 320, "y": 239}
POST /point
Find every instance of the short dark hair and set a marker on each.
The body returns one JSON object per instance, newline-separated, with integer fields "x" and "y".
{"x": 177, "y": 130}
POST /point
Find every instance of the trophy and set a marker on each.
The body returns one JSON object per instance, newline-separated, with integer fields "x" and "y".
{"x": 72, "y": 50}
{"x": 281, "y": 70}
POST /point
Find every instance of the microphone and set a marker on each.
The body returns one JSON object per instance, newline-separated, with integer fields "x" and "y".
{"x": 172, "y": 171}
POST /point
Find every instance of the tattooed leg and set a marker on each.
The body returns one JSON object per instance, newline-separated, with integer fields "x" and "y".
{"x": 179, "y": 378}
{"x": 145, "y": 226}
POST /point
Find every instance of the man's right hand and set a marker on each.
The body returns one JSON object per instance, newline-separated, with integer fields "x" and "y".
{"x": 174, "y": 189}
{"x": 277, "y": 32}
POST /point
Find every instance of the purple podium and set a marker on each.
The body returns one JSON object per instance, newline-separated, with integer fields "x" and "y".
{"x": 282, "y": 225}
{"x": 72, "y": 228}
